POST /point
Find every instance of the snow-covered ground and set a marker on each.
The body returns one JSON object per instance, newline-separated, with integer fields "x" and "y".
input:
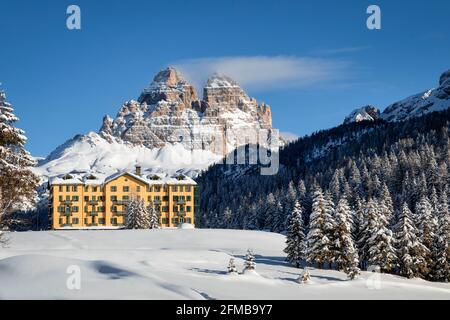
{"x": 178, "y": 264}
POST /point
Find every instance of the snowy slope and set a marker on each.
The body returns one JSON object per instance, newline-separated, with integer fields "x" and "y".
{"x": 92, "y": 153}
{"x": 429, "y": 101}
{"x": 178, "y": 264}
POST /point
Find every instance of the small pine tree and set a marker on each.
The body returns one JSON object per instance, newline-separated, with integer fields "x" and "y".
{"x": 440, "y": 251}
{"x": 304, "y": 277}
{"x": 154, "y": 218}
{"x": 136, "y": 215}
{"x": 425, "y": 221}
{"x": 232, "y": 266}
{"x": 346, "y": 257}
{"x": 249, "y": 263}
{"x": 319, "y": 245}
{"x": 295, "y": 240}
{"x": 411, "y": 252}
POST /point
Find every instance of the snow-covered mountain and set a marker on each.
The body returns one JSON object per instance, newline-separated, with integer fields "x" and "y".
{"x": 367, "y": 113}
{"x": 437, "y": 99}
{"x": 168, "y": 128}
{"x": 431, "y": 100}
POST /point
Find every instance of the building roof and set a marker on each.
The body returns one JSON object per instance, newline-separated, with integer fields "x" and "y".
{"x": 88, "y": 178}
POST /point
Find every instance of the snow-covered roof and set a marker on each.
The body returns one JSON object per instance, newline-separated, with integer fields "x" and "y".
{"x": 85, "y": 178}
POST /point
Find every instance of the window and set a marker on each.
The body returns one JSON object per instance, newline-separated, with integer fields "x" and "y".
{"x": 158, "y": 208}
{"x": 188, "y": 188}
{"x": 174, "y": 188}
{"x": 67, "y": 188}
{"x": 94, "y": 198}
{"x": 60, "y": 209}
{"x": 126, "y": 189}
{"x": 188, "y": 198}
{"x": 86, "y": 209}
{"x": 188, "y": 208}
{"x": 175, "y": 208}
{"x": 165, "y": 198}
{"x": 67, "y": 198}
{"x": 94, "y": 189}
{"x": 113, "y": 188}
{"x": 60, "y": 188}
{"x": 86, "y": 221}
{"x": 158, "y": 188}
{"x": 138, "y": 189}
{"x": 175, "y": 220}
{"x": 86, "y": 198}
{"x": 61, "y": 221}
{"x": 60, "y": 198}
{"x": 165, "y": 221}
{"x": 113, "y": 209}
{"x": 74, "y": 188}
{"x": 101, "y": 198}
{"x": 113, "y": 198}
{"x": 101, "y": 209}
{"x": 188, "y": 220}
{"x": 75, "y": 198}
{"x": 114, "y": 221}
{"x": 75, "y": 220}
{"x": 149, "y": 189}
{"x": 75, "y": 209}
{"x": 149, "y": 198}
{"x": 181, "y": 188}
{"x": 86, "y": 189}
{"x": 165, "y": 208}
{"x": 166, "y": 188}
{"x": 101, "y": 221}
{"x": 125, "y": 198}
{"x": 101, "y": 188}
{"x": 175, "y": 198}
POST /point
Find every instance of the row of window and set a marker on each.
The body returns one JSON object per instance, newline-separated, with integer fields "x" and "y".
{"x": 124, "y": 198}
{"x": 74, "y": 188}
{"x": 114, "y": 221}
{"x": 67, "y": 209}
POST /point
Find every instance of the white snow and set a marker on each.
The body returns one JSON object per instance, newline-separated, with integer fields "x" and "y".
{"x": 92, "y": 153}
{"x": 179, "y": 264}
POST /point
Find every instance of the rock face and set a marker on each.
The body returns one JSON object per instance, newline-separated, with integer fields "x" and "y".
{"x": 431, "y": 100}
{"x": 169, "y": 111}
{"x": 367, "y": 113}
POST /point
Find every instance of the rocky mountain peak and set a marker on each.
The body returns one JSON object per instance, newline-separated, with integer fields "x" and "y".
{"x": 444, "y": 78}
{"x": 219, "y": 80}
{"x": 366, "y": 113}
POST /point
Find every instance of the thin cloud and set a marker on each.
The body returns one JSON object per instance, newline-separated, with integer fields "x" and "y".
{"x": 340, "y": 50}
{"x": 266, "y": 72}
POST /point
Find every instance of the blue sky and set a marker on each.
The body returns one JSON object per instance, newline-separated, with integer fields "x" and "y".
{"x": 325, "y": 61}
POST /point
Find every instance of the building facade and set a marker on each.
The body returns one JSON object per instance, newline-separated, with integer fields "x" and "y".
{"x": 86, "y": 201}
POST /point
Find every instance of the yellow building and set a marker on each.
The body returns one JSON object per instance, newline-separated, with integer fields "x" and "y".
{"x": 83, "y": 201}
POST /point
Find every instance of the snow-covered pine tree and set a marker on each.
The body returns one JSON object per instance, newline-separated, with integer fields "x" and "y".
{"x": 249, "y": 263}
{"x": 232, "y": 266}
{"x": 387, "y": 206}
{"x": 269, "y": 212}
{"x": 278, "y": 221}
{"x": 425, "y": 222}
{"x": 346, "y": 256}
{"x": 319, "y": 246}
{"x": 440, "y": 251}
{"x": 136, "y": 215}
{"x": 304, "y": 277}
{"x": 153, "y": 218}
{"x": 378, "y": 246}
{"x": 410, "y": 251}
{"x": 295, "y": 240}
{"x": 17, "y": 182}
